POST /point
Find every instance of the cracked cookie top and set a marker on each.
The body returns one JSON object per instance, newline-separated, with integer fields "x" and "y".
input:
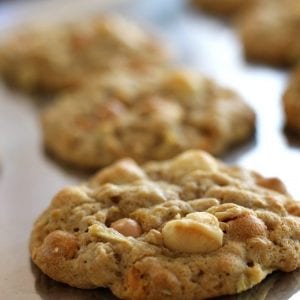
{"x": 186, "y": 228}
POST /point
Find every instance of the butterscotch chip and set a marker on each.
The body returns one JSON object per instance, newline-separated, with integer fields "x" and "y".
{"x": 150, "y": 117}
{"x": 48, "y": 58}
{"x": 168, "y": 231}
{"x": 269, "y": 32}
{"x": 291, "y": 103}
{"x": 127, "y": 227}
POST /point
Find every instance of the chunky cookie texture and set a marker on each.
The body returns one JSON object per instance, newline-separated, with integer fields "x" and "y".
{"x": 224, "y": 7}
{"x": 150, "y": 117}
{"x": 50, "y": 59}
{"x": 186, "y": 228}
{"x": 291, "y": 103}
{"x": 270, "y": 30}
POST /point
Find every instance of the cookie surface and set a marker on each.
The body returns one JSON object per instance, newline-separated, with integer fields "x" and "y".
{"x": 49, "y": 59}
{"x": 269, "y": 32}
{"x": 149, "y": 117}
{"x": 223, "y": 7}
{"x": 186, "y": 228}
{"x": 291, "y": 103}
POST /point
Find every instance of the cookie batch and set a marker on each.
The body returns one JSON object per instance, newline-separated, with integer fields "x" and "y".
{"x": 161, "y": 218}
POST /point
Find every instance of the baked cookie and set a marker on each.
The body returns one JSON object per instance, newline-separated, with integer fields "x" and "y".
{"x": 149, "y": 117}
{"x": 186, "y": 228}
{"x": 291, "y": 103}
{"x": 223, "y": 7}
{"x": 270, "y": 30}
{"x": 49, "y": 59}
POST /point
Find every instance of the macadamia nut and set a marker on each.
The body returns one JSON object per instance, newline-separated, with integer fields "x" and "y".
{"x": 197, "y": 232}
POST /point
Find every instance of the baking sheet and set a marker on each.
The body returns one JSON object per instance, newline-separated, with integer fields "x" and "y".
{"x": 29, "y": 178}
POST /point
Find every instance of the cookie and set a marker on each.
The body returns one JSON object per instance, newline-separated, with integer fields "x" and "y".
{"x": 149, "y": 117}
{"x": 49, "y": 59}
{"x": 186, "y": 228}
{"x": 291, "y": 103}
{"x": 224, "y": 7}
{"x": 270, "y": 30}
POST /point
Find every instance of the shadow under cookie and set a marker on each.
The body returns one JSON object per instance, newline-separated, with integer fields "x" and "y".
{"x": 49, "y": 289}
{"x": 276, "y": 286}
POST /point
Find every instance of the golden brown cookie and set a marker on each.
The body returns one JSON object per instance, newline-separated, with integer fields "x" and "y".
{"x": 186, "y": 228}
{"x": 224, "y": 7}
{"x": 50, "y": 59}
{"x": 270, "y": 32}
{"x": 291, "y": 102}
{"x": 149, "y": 117}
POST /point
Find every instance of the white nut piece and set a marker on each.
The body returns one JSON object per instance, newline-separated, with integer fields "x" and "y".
{"x": 123, "y": 171}
{"x": 163, "y": 109}
{"x": 183, "y": 82}
{"x": 203, "y": 203}
{"x": 197, "y": 232}
{"x": 193, "y": 160}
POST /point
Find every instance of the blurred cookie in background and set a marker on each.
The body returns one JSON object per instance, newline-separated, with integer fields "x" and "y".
{"x": 52, "y": 58}
{"x": 270, "y": 32}
{"x": 224, "y": 7}
{"x": 291, "y": 103}
{"x": 149, "y": 117}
